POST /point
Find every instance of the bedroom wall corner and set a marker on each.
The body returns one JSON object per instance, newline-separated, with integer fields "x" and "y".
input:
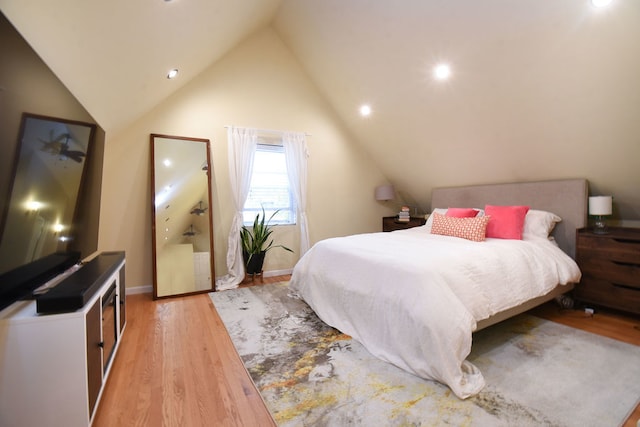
{"x": 258, "y": 84}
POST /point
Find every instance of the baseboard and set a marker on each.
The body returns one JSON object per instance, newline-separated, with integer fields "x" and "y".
{"x": 140, "y": 290}
{"x": 147, "y": 289}
{"x": 277, "y": 272}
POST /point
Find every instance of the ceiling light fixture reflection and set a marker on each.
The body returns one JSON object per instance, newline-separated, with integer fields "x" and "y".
{"x": 166, "y": 162}
{"x": 600, "y": 3}
{"x": 365, "y": 110}
{"x": 172, "y": 74}
{"x": 442, "y": 72}
{"x": 34, "y": 206}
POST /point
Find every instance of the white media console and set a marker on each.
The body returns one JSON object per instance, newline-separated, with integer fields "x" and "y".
{"x": 53, "y": 366}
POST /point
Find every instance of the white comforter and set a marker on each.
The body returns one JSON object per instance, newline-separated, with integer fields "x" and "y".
{"x": 413, "y": 298}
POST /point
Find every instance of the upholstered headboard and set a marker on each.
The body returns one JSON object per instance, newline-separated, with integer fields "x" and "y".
{"x": 566, "y": 198}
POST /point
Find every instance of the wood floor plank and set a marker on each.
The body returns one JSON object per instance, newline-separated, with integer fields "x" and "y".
{"x": 177, "y": 366}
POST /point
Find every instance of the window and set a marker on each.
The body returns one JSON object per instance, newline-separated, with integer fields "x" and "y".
{"x": 270, "y": 187}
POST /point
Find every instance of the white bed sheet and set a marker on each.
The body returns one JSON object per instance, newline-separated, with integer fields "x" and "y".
{"x": 413, "y": 298}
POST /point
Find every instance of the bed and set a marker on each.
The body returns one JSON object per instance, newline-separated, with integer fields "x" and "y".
{"x": 414, "y": 298}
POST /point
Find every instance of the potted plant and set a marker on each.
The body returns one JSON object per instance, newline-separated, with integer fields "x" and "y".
{"x": 256, "y": 243}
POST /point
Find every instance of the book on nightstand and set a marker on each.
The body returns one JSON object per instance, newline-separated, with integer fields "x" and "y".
{"x": 404, "y": 215}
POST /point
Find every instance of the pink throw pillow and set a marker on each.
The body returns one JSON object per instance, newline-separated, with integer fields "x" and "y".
{"x": 462, "y": 212}
{"x": 466, "y": 228}
{"x": 506, "y": 222}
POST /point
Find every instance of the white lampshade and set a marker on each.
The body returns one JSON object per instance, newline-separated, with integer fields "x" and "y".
{"x": 600, "y": 205}
{"x": 385, "y": 192}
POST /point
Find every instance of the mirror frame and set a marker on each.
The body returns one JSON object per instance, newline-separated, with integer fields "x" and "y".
{"x": 207, "y": 143}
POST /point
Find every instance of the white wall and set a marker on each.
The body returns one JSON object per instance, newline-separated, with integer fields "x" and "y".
{"x": 259, "y": 84}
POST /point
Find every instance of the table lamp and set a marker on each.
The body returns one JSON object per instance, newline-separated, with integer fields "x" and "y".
{"x": 600, "y": 206}
{"x": 385, "y": 192}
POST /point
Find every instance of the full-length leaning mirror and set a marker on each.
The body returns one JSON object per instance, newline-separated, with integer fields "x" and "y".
{"x": 182, "y": 223}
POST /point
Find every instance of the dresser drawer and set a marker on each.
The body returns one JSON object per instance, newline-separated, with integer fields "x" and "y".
{"x": 610, "y": 266}
{"x": 391, "y": 223}
{"x": 613, "y": 270}
{"x": 613, "y": 246}
{"x": 609, "y": 294}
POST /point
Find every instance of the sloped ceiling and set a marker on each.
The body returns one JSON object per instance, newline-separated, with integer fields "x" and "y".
{"x": 545, "y": 79}
{"x": 535, "y": 84}
{"x": 114, "y": 55}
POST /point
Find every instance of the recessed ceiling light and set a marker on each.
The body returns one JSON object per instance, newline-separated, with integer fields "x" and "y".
{"x": 34, "y": 205}
{"x": 442, "y": 72}
{"x": 600, "y": 3}
{"x": 365, "y": 110}
{"x": 167, "y": 162}
{"x": 172, "y": 74}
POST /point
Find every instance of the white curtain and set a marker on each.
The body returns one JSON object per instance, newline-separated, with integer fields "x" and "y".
{"x": 242, "y": 147}
{"x": 295, "y": 151}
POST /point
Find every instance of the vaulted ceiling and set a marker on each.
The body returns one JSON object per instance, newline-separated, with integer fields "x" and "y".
{"x": 114, "y": 55}
{"x": 557, "y": 72}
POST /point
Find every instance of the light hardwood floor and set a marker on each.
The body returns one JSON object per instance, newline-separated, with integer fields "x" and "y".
{"x": 176, "y": 365}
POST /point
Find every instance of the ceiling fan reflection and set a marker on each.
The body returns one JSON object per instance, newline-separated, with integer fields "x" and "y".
{"x": 199, "y": 210}
{"x": 190, "y": 232}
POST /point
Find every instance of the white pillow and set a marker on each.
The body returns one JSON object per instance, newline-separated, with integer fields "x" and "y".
{"x": 443, "y": 211}
{"x": 539, "y": 224}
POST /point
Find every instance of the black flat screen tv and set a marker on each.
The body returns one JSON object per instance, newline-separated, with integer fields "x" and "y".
{"x": 43, "y": 223}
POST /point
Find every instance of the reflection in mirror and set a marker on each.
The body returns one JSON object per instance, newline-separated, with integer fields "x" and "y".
{"x": 41, "y": 216}
{"x": 182, "y": 223}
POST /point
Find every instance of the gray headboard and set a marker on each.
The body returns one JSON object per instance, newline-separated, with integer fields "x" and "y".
{"x": 566, "y": 198}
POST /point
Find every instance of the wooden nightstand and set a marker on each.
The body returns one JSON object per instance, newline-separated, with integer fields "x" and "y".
{"x": 610, "y": 265}
{"x": 391, "y": 223}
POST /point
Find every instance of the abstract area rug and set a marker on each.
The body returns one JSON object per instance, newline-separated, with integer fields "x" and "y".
{"x": 538, "y": 373}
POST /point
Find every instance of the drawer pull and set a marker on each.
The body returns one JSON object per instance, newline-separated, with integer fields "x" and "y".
{"x": 626, "y": 264}
{"x": 631, "y": 241}
{"x": 631, "y": 288}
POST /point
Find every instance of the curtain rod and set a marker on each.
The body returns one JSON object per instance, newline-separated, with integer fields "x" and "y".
{"x": 278, "y": 132}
